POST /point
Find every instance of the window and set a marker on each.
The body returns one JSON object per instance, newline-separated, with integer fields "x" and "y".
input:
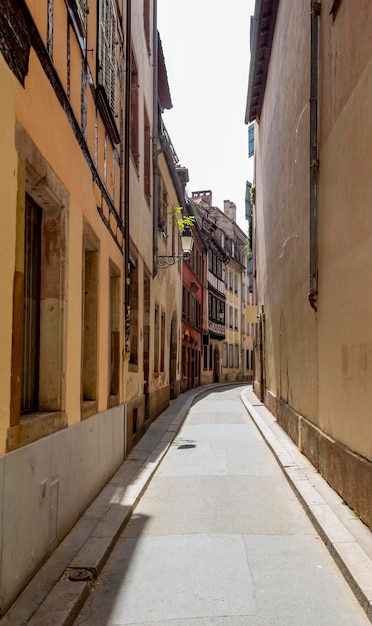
{"x": 134, "y": 113}
{"x": 162, "y": 205}
{"x": 133, "y": 303}
{"x": 214, "y": 260}
{"x": 50, "y": 29}
{"x": 39, "y": 300}
{"x": 198, "y": 315}
{"x": 156, "y": 339}
{"x": 184, "y": 301}
{"x": 224, "y": 354}
{"x": 236, "y": 356}
{"x": 147, "y": 158}
{"x": 162, "y": 341}
{"x": 214, "y": 308}
{"x": 79, "y": 12}
{"x": 106, "y": 97}
{"x": 89, "y": 330}
{"x": 231, "y": 355}
{"x": 146, "y": 23}
{"x": 106, "y": 51}
{"x": 114, "y": 339}
{"x": 251, "y": 140}
{"x": 31, "y": 315}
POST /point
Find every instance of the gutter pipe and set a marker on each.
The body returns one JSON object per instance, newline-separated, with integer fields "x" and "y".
{"x": 314, "y": 154}
{"x": 127, "y": 153}
{"x": 155, "y": 132}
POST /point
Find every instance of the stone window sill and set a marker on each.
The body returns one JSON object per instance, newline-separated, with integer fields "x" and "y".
{"x": 33, "y": 427}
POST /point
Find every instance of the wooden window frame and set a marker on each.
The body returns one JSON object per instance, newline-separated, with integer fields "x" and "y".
{"x": 147, "y": 24}
{"x": 89, "y": 339}
{"x": 107, "y": 67}
{"x": 53, "y": 200}
{"x": 113, "y": 398}
{"x": 147, "y": 157}
{"x": 134, "y": 113}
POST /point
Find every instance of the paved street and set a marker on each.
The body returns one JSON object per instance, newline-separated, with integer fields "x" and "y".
{"x": 220, "y": 539}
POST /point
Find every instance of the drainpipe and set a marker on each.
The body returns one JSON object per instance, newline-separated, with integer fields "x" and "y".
{"x": 126, "y": 166}
{"x": 314, "y": 154}
{"x": 126, "y": 189}
{"x": 127, "y": 148}
{"x": 155, "y": 130}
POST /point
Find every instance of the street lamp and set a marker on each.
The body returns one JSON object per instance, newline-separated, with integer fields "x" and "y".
{"x": 187, "y": 242}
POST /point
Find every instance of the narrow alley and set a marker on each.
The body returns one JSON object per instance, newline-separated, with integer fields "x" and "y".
{"x": 219, "y": 538}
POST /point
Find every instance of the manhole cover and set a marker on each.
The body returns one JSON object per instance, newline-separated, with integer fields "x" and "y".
{"x": 80, "y": 574}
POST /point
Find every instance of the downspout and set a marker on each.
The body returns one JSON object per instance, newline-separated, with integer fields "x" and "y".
{"x": 128, "y": 63}
{"x": 155, "y": 131}
{"x": 314, "y": 154}
{"x": 127, "y": 115}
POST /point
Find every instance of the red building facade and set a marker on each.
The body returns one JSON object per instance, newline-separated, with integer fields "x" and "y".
{"x": 192, "y": 314}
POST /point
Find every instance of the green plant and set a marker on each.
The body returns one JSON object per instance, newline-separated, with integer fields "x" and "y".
{"x": 252, "y": 195}
{"x": 187, "y": 220}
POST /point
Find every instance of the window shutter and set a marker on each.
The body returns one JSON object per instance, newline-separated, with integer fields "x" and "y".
{"x": 107, "y": 55}
{"x": 79, "y": 12}
{"x": 81, "y": 6}
{"x": 251, "y": 140}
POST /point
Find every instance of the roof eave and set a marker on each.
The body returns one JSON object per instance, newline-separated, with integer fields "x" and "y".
{"x": 262, "y": 33}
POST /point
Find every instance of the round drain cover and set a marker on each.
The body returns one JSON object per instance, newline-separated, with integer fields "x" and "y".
{"x": 80, "y": 574}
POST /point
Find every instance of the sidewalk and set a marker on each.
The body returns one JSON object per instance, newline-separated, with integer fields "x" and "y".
{"x": 51, "y": 597}
{"x": 348, "y": 540}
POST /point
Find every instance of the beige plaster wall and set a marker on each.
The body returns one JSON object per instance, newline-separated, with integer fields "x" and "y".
{"x": 140, "y": 212}
{"x": 69, "y": 467}
{"x": 8, "y": 200}
{"x": 345, "y": 301}
{"x": 282, "y": 217}
{"x": 166, "y": 287}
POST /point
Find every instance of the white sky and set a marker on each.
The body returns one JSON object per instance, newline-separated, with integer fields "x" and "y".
{"x": 206, "y": 49}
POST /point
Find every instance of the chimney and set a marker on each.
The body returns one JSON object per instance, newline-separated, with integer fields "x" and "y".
{"x": 205, "y": 196}
{"x": 183, "y": 175}
{"x": 229, "y": 208}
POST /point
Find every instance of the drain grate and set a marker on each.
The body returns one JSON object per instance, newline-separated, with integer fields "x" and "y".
{"x": 79, "y": 574}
